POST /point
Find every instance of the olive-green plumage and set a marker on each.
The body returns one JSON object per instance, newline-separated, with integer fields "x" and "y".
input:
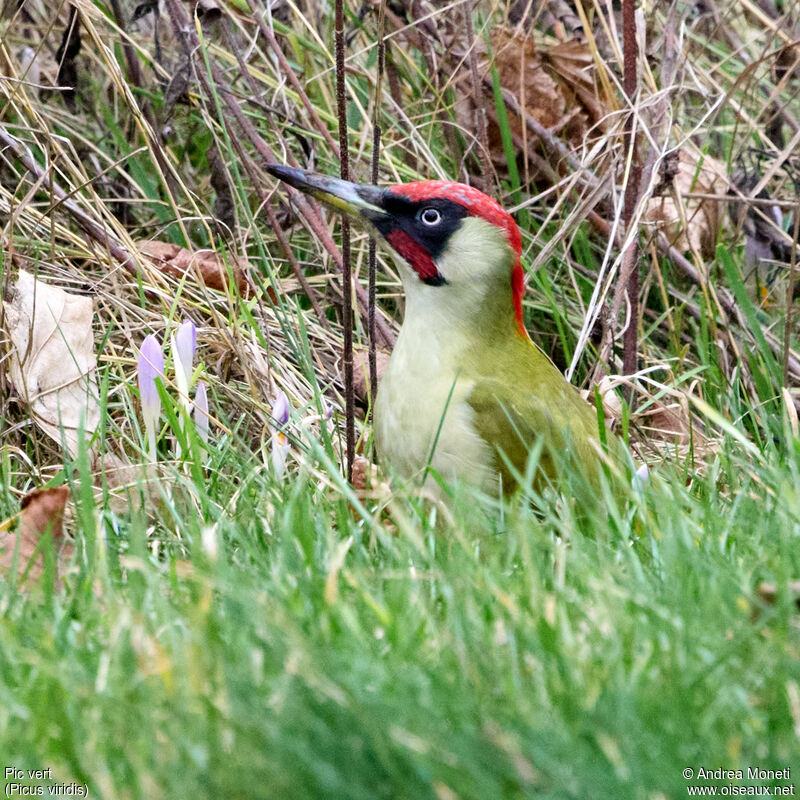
{"x": 466, "y": 392}
{"x": 464, "y": 378}
{"x": 539, "y": 403}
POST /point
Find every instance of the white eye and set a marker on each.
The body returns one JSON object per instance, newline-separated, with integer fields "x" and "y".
{"x": 430, "y": 216}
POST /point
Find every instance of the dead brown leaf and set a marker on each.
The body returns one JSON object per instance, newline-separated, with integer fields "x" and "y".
{"x": 42, "y": 513}
{"x": 366, "y": 480}
{"x": 703, "y": 216}
{"x": 521, "y": 70}
{"x": 663, "y": 420}
{"x": 43, "y": 509}
{"x": 52, "y": 358}
{"x": 363, "y": 474}
{"x": 203, "y": 264}
{"x": 558, "y": 15}
{"x": 670, "y": 422}
{"x": 555, "y": 86}
{"x": 572, "y": 65}
{"x": 208, "y": 10}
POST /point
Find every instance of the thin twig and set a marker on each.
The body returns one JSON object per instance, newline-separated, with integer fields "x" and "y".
{"x": 347, "y": 278}
{"x": 372, "y": 265}
{"x": 480, "y": 108}
{"x": 551, "y": 143}
{"x": 631, "y": 257}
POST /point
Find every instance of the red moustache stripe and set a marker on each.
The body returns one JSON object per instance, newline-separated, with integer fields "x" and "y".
{"x": 413, "y": 252}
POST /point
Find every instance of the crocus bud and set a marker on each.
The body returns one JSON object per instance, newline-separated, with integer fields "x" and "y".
{"x": 280, "y": 444}
{"x": 280, "y": 410}
{"x": 201, "y": 411}
{"x": 184, "y": 343}
{"x": 151, "y": 366}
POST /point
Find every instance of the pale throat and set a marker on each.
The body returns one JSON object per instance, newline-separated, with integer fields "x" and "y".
{"x": 476, "y": 304}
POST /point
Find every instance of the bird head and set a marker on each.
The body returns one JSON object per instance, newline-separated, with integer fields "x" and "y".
{"x": 455, "y": 246}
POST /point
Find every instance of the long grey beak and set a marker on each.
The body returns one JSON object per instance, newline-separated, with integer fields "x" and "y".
{"x": 353, "y": 198}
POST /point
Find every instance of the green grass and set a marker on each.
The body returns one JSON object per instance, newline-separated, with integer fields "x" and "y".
{"x": 535, "y": 653}
{"x": 224, "y": 634}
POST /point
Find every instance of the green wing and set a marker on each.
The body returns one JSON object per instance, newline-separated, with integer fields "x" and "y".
{"x": 530, "y": 399}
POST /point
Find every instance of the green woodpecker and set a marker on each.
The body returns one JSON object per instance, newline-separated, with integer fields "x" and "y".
{"x": 466, "y": 392}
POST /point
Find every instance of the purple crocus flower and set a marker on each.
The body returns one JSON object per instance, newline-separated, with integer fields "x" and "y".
{"x": 280, "y": 410}
{"x": 280, "y": 444}
{"x": 184, "y": 343}
{"x": 201, "y": 411}
{"x": 151, "y": 366}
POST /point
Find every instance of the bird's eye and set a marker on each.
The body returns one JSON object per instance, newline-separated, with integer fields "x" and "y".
{"x": 430, "y": 216}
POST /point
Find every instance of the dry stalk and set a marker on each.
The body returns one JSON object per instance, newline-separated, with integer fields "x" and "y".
{"x": 347, "y": 277}
{"x": 630, "y": 261}
{"x": 480, "y": 108}
{"x": 372, "y": 265}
